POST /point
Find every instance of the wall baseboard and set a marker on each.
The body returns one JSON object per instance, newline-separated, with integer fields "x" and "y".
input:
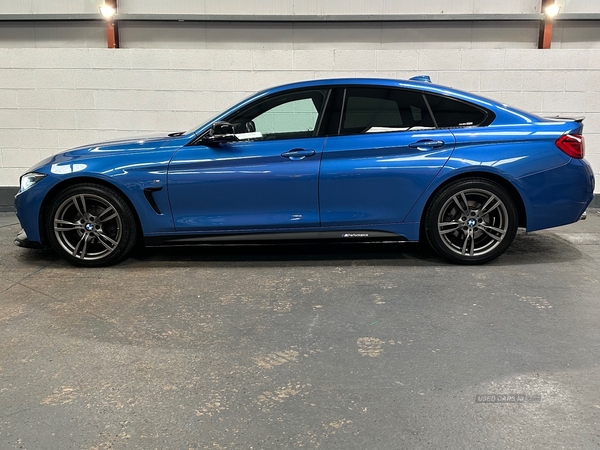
{"x": 7, "y": 198}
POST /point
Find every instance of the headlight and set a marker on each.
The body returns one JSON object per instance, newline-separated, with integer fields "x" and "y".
{"x": 29, "y": 179}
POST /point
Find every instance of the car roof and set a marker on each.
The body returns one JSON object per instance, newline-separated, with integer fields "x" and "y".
{"x": 387, "y": 82}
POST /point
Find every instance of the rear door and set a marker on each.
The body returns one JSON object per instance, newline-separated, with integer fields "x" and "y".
{"x": 386, "y": 153}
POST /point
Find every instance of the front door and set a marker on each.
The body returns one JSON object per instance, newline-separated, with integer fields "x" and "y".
{"x": 267, "y": 180}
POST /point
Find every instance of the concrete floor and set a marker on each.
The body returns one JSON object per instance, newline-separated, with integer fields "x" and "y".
{"x": 337, "y": 347}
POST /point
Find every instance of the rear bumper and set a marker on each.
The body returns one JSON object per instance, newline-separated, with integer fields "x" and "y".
{"x": 558, "y": 196}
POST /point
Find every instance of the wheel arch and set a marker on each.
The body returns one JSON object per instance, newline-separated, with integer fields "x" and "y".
{"x": 503, "y": 182}
{"x": 67, "y": 183}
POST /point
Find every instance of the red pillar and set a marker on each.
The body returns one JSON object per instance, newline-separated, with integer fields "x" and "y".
{"x": 545, "y": 37}
{"x": 112, "y": 27}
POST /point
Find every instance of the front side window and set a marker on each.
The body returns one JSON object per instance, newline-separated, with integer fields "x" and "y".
{"x": 376, "y": 110}
{"x": 288, "y": 116}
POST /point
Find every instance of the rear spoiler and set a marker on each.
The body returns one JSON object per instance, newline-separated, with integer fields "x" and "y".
{"x": 577, "y": 119}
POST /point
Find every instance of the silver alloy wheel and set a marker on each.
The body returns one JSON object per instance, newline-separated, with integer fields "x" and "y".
{"x": 88, "y": 227}
{"x": 473, "y": 222}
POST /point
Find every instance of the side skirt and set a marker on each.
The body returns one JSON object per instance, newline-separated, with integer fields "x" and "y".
{"x": 258, "y": 238}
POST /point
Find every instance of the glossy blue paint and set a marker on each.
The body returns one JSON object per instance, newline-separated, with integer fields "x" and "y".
{"x": 246, "y": 185}
{"x": 128, "y": 165}
{"x": 558, "y": 196}
{"x": 524, "y": 155}
{"x": 375, "y": 178}
{"x": 28, "y": 205}
{"x": 424, "y": 78}
{"x": 378, "y": 181}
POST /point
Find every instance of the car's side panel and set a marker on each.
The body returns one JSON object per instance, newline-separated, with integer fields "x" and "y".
{"x": 245, "y": 185}
{"x": 375, "y": 178}
{"x": 523, "y": 149}
{"x": 129, "y": 168}
{"x": 525, "y": 156}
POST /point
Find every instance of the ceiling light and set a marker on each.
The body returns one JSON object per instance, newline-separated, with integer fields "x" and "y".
{"x": 107, "y": 11}
{"x": 552, "y": 11}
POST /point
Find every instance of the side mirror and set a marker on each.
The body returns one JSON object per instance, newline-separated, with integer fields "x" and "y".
{"x": 221, "y": 132}
{"x": 222, "y": 128}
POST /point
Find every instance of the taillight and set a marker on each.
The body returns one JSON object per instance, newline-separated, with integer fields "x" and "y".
{"x": 572, "y": 144}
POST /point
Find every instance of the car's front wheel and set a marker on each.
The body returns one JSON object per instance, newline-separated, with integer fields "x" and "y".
{"x": 471, "y": 221}
{"x": 91, "y": 225}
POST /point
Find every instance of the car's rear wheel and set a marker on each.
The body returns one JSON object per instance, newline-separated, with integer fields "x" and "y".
{"x": 91, "y": 225}
{"x": 471, "y": 221}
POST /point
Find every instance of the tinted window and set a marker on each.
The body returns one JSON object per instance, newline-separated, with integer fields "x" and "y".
{"x": 451, "y": 113}
{"x": 287, "y": 116}
{"x": 371, "y": 110}
{"x": 293, "y": 116}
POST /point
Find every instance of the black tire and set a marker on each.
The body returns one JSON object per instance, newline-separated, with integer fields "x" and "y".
{"x": 91, "y": 225}
{"x": 471, "y": 221}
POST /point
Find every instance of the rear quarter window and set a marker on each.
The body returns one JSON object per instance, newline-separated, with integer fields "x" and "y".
{"x": 450, "y": 113}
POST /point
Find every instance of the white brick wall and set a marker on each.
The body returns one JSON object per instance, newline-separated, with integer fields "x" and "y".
{"x": 54, "y": 99}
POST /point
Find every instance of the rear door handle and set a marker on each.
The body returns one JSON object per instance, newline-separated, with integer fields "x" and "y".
{"x": 298, "y": 153}
{"x": 426, "y": 144}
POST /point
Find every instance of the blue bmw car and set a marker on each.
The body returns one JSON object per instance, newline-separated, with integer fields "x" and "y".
{"x": 343, "y": 159}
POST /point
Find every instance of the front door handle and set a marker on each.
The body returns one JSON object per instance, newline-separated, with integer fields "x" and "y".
{"x": 298, "y": 153}
{"x": 426, "y": 144}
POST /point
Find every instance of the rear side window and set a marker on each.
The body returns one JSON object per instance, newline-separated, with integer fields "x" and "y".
{"x": 376, "y": 110}
{"x": 450, "y": 113}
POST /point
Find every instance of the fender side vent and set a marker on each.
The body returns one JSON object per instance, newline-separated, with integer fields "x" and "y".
{"x": 148, "y": 194}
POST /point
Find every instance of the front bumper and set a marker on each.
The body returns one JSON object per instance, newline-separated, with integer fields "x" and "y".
{"x": 22, "y": 241}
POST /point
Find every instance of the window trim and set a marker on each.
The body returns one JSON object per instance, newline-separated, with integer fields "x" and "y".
{"x": 342, "y": 111}
{"x": 430, "y": 110}
{"x": 322, "y": 114}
